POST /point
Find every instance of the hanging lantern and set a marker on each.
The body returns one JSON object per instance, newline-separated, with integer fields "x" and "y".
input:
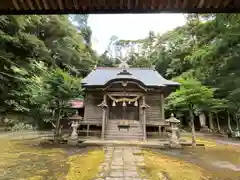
{"x": 124, "y": 104}
{"x": 114, "y": 103}
{"x": 136, "y": 103}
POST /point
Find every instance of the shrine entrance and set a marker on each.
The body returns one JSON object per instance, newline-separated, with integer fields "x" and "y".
{"x": 123, "y": 108}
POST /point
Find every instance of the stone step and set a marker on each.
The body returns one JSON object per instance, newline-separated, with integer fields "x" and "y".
{"x": 123, "y": 138}
{"x": 117, "y": 122}
{"x": 126, "y": 135}
{"x": 122, "y": 131}
{"x": 117, "y": 134}
{"x": 112, "y": 132}
{"x": 116, "y": 128}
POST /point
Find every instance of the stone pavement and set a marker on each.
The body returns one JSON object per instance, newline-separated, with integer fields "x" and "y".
{"x": 121, "y": 164}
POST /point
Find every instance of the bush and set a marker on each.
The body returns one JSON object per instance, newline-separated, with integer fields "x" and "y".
{"x": 21, "y": 126}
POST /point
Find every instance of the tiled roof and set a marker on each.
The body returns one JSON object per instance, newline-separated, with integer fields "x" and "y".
{"x": 148, "y": 76}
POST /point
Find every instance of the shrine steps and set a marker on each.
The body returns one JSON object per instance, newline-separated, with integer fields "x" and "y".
{"x": 113, "y": 133}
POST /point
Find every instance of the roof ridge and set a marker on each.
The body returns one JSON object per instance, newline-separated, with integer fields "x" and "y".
{"x": 127, "y": 68}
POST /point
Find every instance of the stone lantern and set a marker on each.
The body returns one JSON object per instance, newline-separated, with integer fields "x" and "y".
{"x": 173, "y": 124}
{"x": 74, "y": 125}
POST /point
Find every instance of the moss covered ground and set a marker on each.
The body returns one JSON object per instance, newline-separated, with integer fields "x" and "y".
{"x": 160, "y": 167}
{"x": 29, "y": 160}
{"x": 193, "y": 163}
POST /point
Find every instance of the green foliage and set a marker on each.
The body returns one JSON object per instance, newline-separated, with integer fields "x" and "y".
{"x": 206, "y": 48}
{"x": 192, "y": 94}
{"x": 42, "y": 60}
{"x": 44, "y": 57}
{"x": 21, "y": 126}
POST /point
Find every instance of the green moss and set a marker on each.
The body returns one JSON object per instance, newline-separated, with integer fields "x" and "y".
{"x": 215, "y": 152}
{"x": 158, "y": 166}
{"x": 36, "y": 178}
{"x": 85, "y": 167}
{"x": 23, "y": 159}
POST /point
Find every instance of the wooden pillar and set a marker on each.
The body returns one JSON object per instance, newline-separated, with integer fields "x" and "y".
{"x": 159, "y": 131}
{"x": 103, "y": 122}
{"x": 144, "y": 118}
{"x": 162, "y": 108}
{"x": 103, "y": 105}
{"x": 88, "y": 126}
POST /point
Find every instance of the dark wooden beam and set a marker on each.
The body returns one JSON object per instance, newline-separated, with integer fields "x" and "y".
{"x": 60, "y": 4}
{"x": 200, "y": 4}
{"x": 136, "y": 3}
{"x": 153, "y": 4}
{"x": 53, "y": 5}
{"x": 176, "y": 4}
{"x": 75, "y": 4}
{"x": 162, "y": 4}
{"x": 45, "y": 4}
{"x": 184, "y": 4}
{"x": 30, "y": 4}
{"x": 125, "y": 94}
{"x": 121, "y": 6}
{"x": 84, "y": 4}
{"x": 129, "y": 5}
{"x": 39, "y": 7}
{"x": 169, "y": 4}
{"x": 216, "y": 3}
{"x": 226, "y": 2}
{"x": 22, "y": 2}
{"x": 15, "y": 4}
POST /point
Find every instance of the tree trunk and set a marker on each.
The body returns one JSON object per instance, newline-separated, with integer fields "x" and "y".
{"x": 3, "y": 118}
{"x": 237, "y": 122}
{"x": 211, "y": 126}
{"x": 56, "y": 134}
{"x": 193, "y": 128}
{"x": 229, "y": 123}
{"x": 218, "y": 125}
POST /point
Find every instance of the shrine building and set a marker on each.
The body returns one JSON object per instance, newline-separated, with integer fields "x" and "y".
{"x": 126, "y": 103}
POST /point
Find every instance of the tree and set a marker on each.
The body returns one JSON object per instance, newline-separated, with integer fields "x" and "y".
{"x": 63, "y": 87}
{"x": 215, "y": 106}
{"x": 190, "y": 95}
{"x": 33, "y": 47}
{"x": 207, "y": 47}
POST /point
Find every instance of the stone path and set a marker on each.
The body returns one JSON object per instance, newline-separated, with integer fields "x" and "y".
{"x": 121, "y": 164}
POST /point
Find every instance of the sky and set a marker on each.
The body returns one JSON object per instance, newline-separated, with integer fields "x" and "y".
{"x": 129, "y": 26}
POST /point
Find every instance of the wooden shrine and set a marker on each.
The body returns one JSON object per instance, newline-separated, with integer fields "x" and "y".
{"x": 114, "y": 95}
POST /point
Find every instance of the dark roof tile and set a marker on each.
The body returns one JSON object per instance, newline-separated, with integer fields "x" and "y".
{"x": 148, "y": 76}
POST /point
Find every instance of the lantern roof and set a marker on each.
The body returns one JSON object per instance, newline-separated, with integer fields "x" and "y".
{"x": 172, "y": 119}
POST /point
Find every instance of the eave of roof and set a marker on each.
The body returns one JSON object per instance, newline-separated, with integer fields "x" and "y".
{"x": 113, "y": 6}
{"x": 149, "y": 77}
